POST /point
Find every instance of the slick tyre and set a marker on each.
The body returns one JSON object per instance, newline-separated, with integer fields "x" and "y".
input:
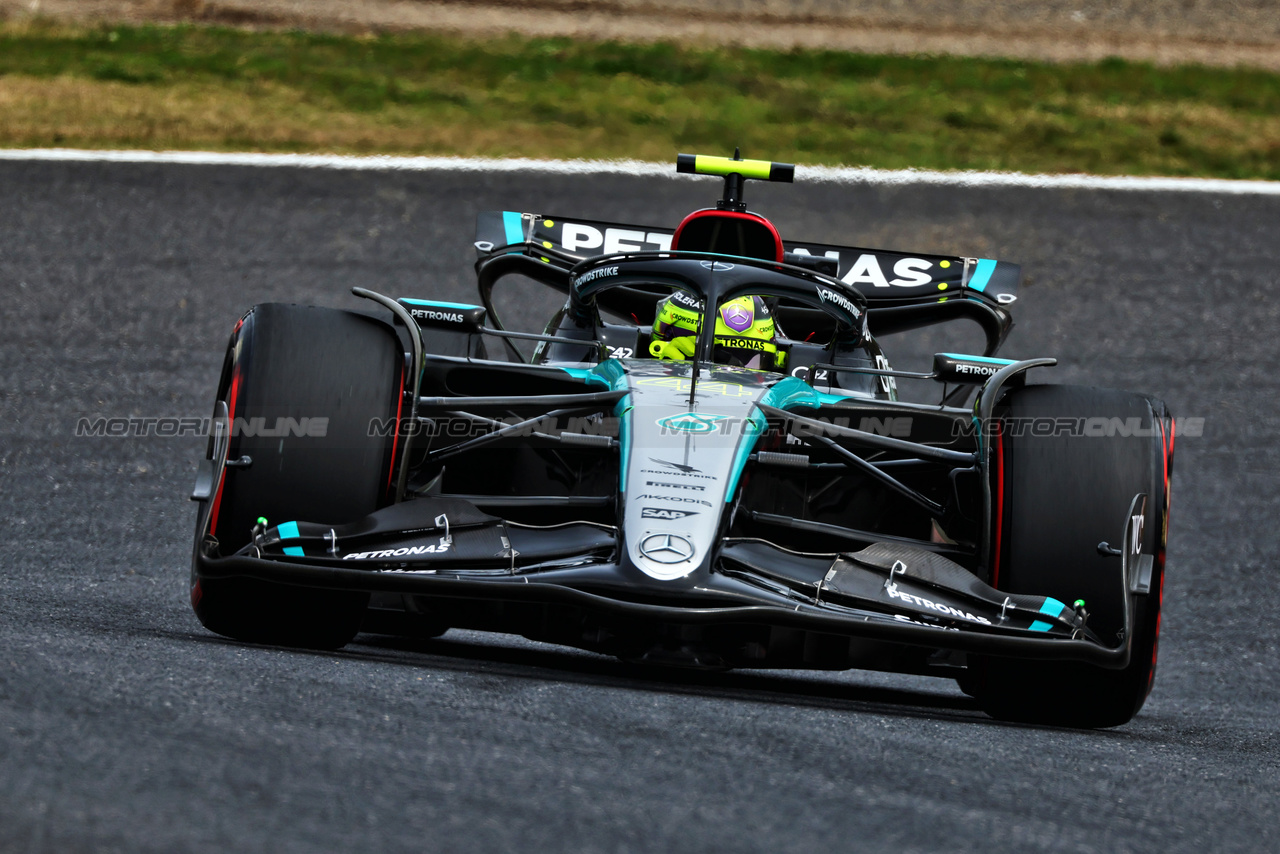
{"x": 301, "y": 385}
{"x": 1057, "y": 495}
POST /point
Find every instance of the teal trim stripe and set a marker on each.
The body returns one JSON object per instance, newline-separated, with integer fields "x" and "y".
{"x": 437, "y": 303}
{"x": 789, "y": 392}
{"x": 982, "y": 275}
{"x": 985, "y": 359}
{"x": 289, "y": 531}
{"x": 588, "y": 376}
{"x": 751, "y": 431}
{"x": 515, "y": 230}
{"x": 1052, "y": 607}
{"x": 786, "y": 393}
{"x": 623, "y": 412}
{"x": 612, "y": 375}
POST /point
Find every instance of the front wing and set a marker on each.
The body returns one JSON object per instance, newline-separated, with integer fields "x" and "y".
{"x": 565, "y": 584}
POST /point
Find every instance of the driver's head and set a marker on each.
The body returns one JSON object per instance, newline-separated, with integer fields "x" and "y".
{"x": 744, "y": 332}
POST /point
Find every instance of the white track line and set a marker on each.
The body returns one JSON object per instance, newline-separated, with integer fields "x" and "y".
{"x": 807, "y": 174}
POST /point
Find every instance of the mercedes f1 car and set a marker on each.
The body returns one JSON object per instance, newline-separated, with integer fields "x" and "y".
{"x": 627, "y": 490}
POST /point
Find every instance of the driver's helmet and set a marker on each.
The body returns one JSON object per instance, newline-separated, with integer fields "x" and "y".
{"x": 744, "y": 335}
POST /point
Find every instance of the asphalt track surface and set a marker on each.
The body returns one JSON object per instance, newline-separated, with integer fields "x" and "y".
{"x": 125, "y": 726}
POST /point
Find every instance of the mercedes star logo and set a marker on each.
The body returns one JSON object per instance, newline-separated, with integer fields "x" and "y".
{"x": 736, "y": 317}
{"x": 666, "y": 548}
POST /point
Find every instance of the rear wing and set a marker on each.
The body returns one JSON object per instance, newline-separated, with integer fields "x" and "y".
{"x": 884, "y": 277}
{"x": 903, "y": 290}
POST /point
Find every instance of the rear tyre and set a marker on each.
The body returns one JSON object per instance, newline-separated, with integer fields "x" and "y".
{"x": 1059, "y": 497}
{"x": 288, "y": 368}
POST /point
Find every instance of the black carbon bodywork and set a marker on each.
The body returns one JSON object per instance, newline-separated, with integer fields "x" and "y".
{"x": 692, "y": 513}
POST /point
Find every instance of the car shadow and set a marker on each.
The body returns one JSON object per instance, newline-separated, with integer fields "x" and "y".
{"x": 833, "y": 690}
{"x": 513, "y": 657}
{"x": 839, "y": 691}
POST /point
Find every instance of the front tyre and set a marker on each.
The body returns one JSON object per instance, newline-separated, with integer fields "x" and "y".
{"x": 1058, "y": 493}
{"x": 301, "y": 385}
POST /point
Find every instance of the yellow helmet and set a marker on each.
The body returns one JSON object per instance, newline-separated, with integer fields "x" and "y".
{"x": 745, "y": 334}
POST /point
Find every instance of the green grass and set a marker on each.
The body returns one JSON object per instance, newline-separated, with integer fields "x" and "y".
{"x": 215, "y": 88}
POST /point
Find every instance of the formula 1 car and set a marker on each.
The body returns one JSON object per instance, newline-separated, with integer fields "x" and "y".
{"x": 407, "y": 470}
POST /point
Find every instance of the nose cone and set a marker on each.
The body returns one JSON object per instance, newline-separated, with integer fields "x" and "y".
{"x": 682, "y": 458}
